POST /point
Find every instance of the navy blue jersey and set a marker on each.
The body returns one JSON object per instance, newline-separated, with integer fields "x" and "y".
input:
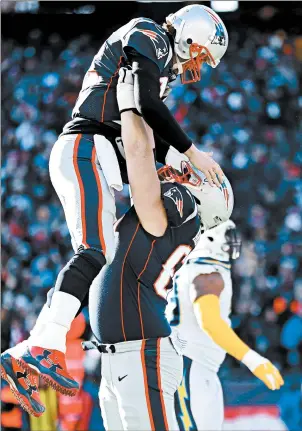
{"x": 97, "y": 102}
{"x": 128, "y": 300}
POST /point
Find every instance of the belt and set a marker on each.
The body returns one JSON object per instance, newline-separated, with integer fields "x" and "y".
{"x": 120, "y": 347}
{"x": 102, "y": 348}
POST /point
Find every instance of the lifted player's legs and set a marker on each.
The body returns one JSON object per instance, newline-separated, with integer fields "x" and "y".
{"x": 89, "y": 207}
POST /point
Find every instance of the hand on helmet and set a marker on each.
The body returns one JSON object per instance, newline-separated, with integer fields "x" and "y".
{"x": 125, "y": 90}
{"x": 206, "y": 164}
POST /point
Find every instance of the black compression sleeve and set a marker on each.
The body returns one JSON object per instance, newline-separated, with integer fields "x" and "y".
{"x": 152, "y": 108}
{"x": 161, "y": 149}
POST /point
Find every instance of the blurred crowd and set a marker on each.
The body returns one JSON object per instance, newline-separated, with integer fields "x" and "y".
{"x": 247, "y": 111}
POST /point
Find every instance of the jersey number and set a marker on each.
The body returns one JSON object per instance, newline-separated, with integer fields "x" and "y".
{"x": 168, "y": 271}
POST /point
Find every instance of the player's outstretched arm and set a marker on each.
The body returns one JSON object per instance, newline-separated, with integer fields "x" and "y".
{"x": 160, "y": 119}
{"x": 138, "y": 145}
{"x": 205, "y": 291}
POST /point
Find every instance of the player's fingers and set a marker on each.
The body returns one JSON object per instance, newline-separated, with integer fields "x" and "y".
{"x": 270, "y": 382}
{"x": 278, "y": 377}
{"x": 215, "y": 178}
{"x": 219, "y": 172}
{"x": 122, "y": 74}
{"x": 125, "y": 76}
{"x": 277, "y": 382}
{"x": 209, "y": 178}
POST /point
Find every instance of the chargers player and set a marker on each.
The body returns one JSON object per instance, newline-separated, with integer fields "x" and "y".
{"x": 141, "y": 365}
{"x": 87, "y": 163}
{"x": 199, "y": 314}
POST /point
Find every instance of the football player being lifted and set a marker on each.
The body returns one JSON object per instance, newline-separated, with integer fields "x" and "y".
{"x": 88, "y": 163}
{"x": 199, "y": 313}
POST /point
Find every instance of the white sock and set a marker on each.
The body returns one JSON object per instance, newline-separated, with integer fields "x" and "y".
{"x": 41, "y": 321}
{"x": 62, "y": 311}
{"x": 20, "y": 348}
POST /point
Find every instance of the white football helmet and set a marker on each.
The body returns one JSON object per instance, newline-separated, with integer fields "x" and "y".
{"x": 215, "y": 204}
{"x": 222, "y": 243}
{"x": 200, "y": 36}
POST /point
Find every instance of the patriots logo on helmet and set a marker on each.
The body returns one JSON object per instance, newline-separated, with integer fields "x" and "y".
{"x": 219, "y": 38}
{"x": 158, "y": 41}
{"x": 175, "y": 195}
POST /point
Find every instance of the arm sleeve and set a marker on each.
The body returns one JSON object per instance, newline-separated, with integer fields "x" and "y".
{"x": 179, "y": 204}
{"x": 161, "y": 149}
{"x": 151, "y": 107}
{"x": 207, "y": 311}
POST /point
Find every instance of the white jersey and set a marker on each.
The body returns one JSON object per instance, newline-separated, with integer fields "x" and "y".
{"x": 198, "y": 346}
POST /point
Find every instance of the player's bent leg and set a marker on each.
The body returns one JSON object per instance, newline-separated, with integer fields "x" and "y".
{"x": 46, "y": 350}
{"x": 147, "y": 385}
{"x": 87, "y": 204}
{"x": 199, "y": 399}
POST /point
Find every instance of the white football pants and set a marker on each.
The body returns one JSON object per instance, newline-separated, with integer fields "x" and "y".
{"x": 88, "y": 203}
{"x": 199, "y": 399}
{"x": 138, "y": 385}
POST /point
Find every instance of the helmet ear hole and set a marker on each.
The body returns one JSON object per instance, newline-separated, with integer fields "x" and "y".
{"x": 189, "y": 41}
{"x": 210, "y": 238}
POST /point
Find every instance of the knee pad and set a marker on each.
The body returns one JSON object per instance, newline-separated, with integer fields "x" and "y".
{"x": 96, "y": 257}
{"x": 76, "y": 277}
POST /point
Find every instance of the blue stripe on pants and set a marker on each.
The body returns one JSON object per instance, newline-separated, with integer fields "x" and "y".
{"x": 91, "y": 196}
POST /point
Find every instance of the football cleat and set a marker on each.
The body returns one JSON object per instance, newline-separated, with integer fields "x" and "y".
{"x": 23, "y": 385}
{"x": 51, "y": 366}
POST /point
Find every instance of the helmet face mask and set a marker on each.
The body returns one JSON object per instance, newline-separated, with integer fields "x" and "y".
{"x": 232, "y": 244}
{"x": 222, "y": 243}
{"x": 199, "y": 55}
{"x": 187, "y": 176}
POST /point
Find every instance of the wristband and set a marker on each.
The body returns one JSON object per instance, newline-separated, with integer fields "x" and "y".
{"x": 252, "y": 360}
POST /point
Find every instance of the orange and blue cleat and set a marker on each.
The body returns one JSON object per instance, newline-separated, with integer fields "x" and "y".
{"x": 23, "y": 385}
{"x": 51, "y": 366}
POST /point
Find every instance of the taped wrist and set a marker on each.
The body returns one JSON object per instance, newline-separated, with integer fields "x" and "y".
{"x": 125, "y": 91}
{"x": 252, "y": 360}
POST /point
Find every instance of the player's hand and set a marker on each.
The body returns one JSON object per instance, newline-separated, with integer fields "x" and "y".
{"x": 263, "y": 369}
{"x": 206, "y": 164}
{"x": 270, "y": 376}
{"x": 125, "y": 90}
